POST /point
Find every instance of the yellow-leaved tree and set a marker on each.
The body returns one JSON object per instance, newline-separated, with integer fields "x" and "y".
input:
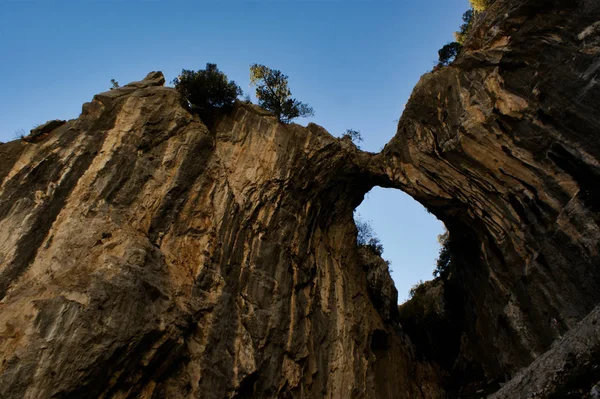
{"x": 480, "y": 5}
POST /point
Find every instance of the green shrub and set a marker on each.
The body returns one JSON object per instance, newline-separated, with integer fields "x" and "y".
{"x": 353, "y": 135}
{"x": 444, "y": 261}
{"x": 366, "y": 238}
{"x": 207, "y": 90}
{"x": 274, "y": 95}
{"x": 467, "y": 18}
{"x": 448, "y": 53}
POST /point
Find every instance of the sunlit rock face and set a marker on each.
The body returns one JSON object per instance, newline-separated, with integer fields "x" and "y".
{"x": 145, "y": 255}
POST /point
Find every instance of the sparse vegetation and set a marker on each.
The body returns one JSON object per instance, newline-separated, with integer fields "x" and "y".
{"x": 416, "y": 288}
{"x": 274, "y": 95}
{"x": 370, "y": 248}
{"x": 114, "y": 84}
{"x": 444, "y": 261}
{"x": 207, "y": 89}
{"x": 353, "y": 135}
{"x": 448, "y": 53}
{"x": 19, "y": 134}
{"x": 367, "y": 238}
{"x": 467, "y": 18}
{"x": 442, "y": 268}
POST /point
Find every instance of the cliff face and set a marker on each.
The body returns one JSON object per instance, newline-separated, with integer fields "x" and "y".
{"x": 144, "y": 255}
{"x": 503, "y": 147}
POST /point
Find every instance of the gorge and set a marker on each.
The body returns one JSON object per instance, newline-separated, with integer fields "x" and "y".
{"x": 144, "y": 254}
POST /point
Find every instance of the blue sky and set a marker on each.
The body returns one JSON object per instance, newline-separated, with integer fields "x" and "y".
{"x": 354, "y": 61}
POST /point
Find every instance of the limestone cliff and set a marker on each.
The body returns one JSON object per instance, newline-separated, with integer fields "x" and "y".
{"x": 503, "y": 146}
{"x": 144, "y": 255}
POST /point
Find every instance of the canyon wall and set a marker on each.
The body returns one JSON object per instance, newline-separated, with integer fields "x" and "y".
{"x": 503, "y": 146}
{"x": 146, "y": 256}
{"x": 143, "y": 254}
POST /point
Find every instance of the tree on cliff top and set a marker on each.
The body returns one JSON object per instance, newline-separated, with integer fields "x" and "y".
{"x": 207, "y": 89}
{"x": 444, "y": 260}
{"x": 467, "y": 18}
{"x": 354, "y": 136}
{"x": 274, "y": 94}
{"x": 448, "y": 53}
{"x": 366, "y": 238}
{"x": 480, "y": 5}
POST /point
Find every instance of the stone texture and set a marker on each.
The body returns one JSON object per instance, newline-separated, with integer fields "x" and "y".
{"x": 568, "y": 370}
{"x": 503, "y": 146}
{"x": 144, "y": 255}
{"x": 40, "y": 132}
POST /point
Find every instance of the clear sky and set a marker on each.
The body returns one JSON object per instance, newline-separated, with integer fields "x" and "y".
{"x": 354, "y": 61}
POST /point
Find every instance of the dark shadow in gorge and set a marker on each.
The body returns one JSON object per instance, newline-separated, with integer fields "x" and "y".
{"x": 438, "y": 319}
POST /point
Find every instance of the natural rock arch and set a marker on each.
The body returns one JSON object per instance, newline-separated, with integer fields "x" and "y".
{"x": 143, "y": 254}
{"x": 407, "y": 232}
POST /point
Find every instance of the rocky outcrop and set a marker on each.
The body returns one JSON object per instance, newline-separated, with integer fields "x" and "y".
{"x": 503, "y": 147}
{"x": 40, "y": 132}
{"x": 145, "y": 255}
{"x": 568, "y": 370}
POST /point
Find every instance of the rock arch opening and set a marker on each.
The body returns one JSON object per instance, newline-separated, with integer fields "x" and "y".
{"x": 407, "y": 232}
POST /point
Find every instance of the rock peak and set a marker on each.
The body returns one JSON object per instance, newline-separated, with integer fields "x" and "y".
{"x": 155, "y": 78}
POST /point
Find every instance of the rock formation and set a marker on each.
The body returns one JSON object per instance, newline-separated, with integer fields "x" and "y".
{"x": 145, "y": 255}
{"x": 503, "y": 147}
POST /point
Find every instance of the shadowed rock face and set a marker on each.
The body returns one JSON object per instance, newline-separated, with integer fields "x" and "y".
{"x": 503, "y": 147}
{"x": 144, "y": 255}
